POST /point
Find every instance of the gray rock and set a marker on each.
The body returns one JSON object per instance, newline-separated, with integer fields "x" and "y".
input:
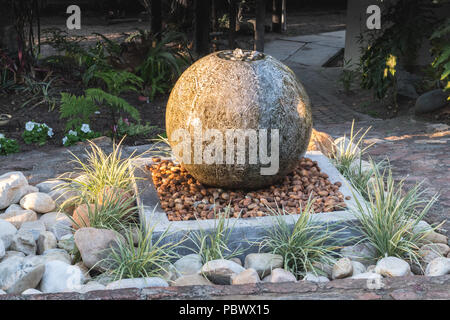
{"x": 94, "y": 245}
{"x": 46, "y": 241}
{"x": 280, "y": 275}
{"x": 61, "y": 277}
{"x": 189, "y": 264}
{"x": 245, "y": 277}
{"x": 435, "y": 237}
{"x": 57, "y": 254}
{"x": 7, "y": 232}
{"x": 263, "y": 263}
{"x": 10, "y": 185}
{"x": 35, "y": 227}
{"x": 237, "y": 260}
{"x": 440, "y": 249}
{"x": 137, "y": 283}
{"x": 16, "y": 275}
{"x": 438, "y": 267}
{"x": 421, "y": 226}
{"x": 362, "y": 252}
{"x": 358, "y": 268}
{"x": 31, "y": 291}
{"x": 24, "y": 242}
{"x": 220, "y": 271}
{"x": 392, "y": 267}
{"x": 192, "y": 280}
{"x": 61, "y": 228}
{"x": 38, "y": 202}
{"x": 13, "y": 207}
{"x": 431, "y": 101}
{"x": 67, "y": 243}
{"x": 343, "y": 268}
{"x": 326, "y": 268}
{"x": 11, "y": 253}
{"x": 51, "y": 218}
{"x": 17, "y": 218}
{"x": 309, "y": 276}
{"x": 49, "y": 185}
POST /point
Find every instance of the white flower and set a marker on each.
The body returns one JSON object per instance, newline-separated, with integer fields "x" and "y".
{"x": 64, "y": 140}
{"x": 2, "y": 136}
{"x": 39, "y": 129}
{"x": 85, "y": 128}
{"x": 50, "y": 132}
{"x": 72, "y": 133}
{"x": 44, "y": 125}
{"x": 29, "y": 125}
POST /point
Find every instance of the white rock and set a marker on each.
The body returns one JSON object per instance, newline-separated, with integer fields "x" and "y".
{"x": 61, "y": 228}
{"x": 358, "y": 268}
{"x": 24, "y": 242}
{"x": 392, "y": 267}
{"x": 23, "y": 191}
{"x": 343, "y": 268}
{"x": 91, "y": 286}
{"x": 31, "y": 291}
{"x": 35, "y": 227}
{"x": 189, "y": 264}
{"x": 17, "y": 218}
{"x": 13, "y": 207}
{"x": 192, "y": 280}
{"x": 346, "y": 144}
{"x": 367, "y": 275}
{"x": 61, "y": 277}
{"x": 38, "y": 202}
{"x": 46, "y": 241}
{"x": 309, "y": 276}
{"x": 263, "y": 263}
{"x": 280, "y": 275}
{"x": 237, "y": 260}
{"x": 10, "y": 184}
{"x": 51, "y": 218}
{"x": 245, "y": 277}
{"x": 220, "y": 271}
{"x": 57, "y": 254}
{"x": 137, "y": 283}
{"x": 438, "y": 267}
{"x": 11, "y": 253}
{"x": 16, "y": 275}
{"x": 7, "y": 232}
{"x": 2, "y": 250}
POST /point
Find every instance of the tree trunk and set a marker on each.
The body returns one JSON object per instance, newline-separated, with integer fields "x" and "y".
{"x": 276, "y": 15}
{"x": 156, "y": 22}
{"x": 202, "y": 12}
{"x": 259, "y": 28}
{"x": 232, "y": 26}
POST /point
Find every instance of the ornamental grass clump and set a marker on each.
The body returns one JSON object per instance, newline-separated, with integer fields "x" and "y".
{"x": 99, "y": 172}
{"x": 389, "y": 216}
{"x": 216, "y": 244}
{"x": 148, "y": 258}
{"x": 304, "y": 247}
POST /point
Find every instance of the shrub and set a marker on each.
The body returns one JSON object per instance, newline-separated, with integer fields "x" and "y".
{"x": 81, "y": 133}
{"x": 305, "y": 246}
{"x": 127, "y": 128}
{"x": 389, "y": 215}
{"x": 8, "y": 146}
{"x": 149, "y": 258}
{"x": 216, "y": 244}
{"x": 37, "y": 133}
{"x": 441, "y": 51}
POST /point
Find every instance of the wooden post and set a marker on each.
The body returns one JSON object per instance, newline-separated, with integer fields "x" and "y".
{"x": 259, "y": 28}
{"x": 202, "y": 12}
{"x": 156, "y": 12}
{"x": 232, "y": 28}
{"x": 276, "y": 15}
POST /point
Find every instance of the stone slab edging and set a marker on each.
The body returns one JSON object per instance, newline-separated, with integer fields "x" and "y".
{"x": 400, "y": 288}
{"x": 245, "y": 230}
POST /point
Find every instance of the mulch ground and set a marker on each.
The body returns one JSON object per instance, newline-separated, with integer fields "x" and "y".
{"x": 184, "y": 198}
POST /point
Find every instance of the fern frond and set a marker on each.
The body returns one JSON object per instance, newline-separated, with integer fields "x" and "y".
{"x": 112, "y": 101}
{"x": 77, "y": 109}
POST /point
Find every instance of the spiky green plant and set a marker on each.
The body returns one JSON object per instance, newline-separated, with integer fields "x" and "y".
{"x": 100, "y": 170}
{"x": 387, "y": 219}
{"x": 303, "y": 247}
{"x": 148, "y": 258}
{"x": 215, "y": 244}
{"x": 346, "y": 153}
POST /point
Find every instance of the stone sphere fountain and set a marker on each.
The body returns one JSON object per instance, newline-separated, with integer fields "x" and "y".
{"x": 238, "y": 101}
